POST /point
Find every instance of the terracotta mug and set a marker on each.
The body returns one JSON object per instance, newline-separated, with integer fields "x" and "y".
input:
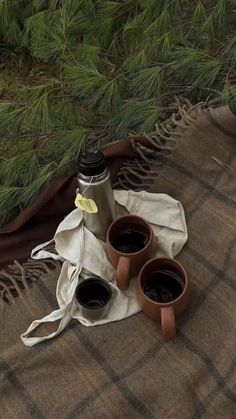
{"x": 130, "y": 243}
{"x": 163, "y": 292}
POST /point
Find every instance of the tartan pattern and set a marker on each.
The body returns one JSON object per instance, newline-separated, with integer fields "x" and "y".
{"x": 124, "y": 369}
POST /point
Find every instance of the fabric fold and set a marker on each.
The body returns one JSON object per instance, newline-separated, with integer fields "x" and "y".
{"x": 83, "y": 255}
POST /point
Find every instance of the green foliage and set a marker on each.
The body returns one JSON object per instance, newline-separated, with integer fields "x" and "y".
{"x": 84, "y": 79}
{"x": 229, "y": 95}
{"x": 196, "y": 66}
{"x": 199, "y": 15}
{"x": 9, "y": 26}
{"x": 230, "y": 51}
{"x": 147, "y": 83}
{"x": 8, "y": 201}
{"x": 158, "y": 50}
{"x": 90, "y": 65}
{"x": 15, "y": 169}
{"x": 135, "y": 115}
{"x": 89, "y": 84}
{"x": 221, "y": 16}
{"x": 160, "y": 26}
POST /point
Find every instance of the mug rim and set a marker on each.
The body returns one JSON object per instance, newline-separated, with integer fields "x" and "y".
{"x": 102, "y": 282}
{"x": 151, "y": 235}
{"x": 170, "y": 303}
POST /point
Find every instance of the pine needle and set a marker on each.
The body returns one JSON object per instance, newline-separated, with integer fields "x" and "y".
{"x": 148, "y": 81}
{"x": 229, "y": 95}
{"x": 84, "y": 78}
{"x": 30, "y": 192}
{"x": 107, "y": 98}
{"x": 229, "y": 52}
{"x": 160, "y": 26}
{"x": 64, "y": 150}
{"x": 8, "y": 202}
{"x": 140, "y": 116}
{"x": 195, "y": 66}
{"x": 159, "y": 48}
{"x": 13, "y": 34}
{"x": 199, "y": 15}
{"x": 221, "y": 18}
{"x": 15, "y": 170}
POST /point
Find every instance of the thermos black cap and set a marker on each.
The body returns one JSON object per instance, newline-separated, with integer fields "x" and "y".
{"x": 92, "y": 163}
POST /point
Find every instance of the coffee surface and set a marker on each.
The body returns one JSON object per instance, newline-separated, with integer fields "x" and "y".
{"x": 92, "y": 294}
{"x": 163, "y": 286}
{"x": 130, "y": 240}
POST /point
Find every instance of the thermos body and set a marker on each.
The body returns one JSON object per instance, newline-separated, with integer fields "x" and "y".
{"x": 95, "y": 183}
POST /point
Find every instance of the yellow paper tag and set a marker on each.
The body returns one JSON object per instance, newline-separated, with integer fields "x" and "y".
{"x": 87, "y": 205}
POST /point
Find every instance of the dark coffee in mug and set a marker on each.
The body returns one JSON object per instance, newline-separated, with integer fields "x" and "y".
{"x": 93, "y": 293}
{"x": 130, "y": 240}
{"x": 163, "y": 286}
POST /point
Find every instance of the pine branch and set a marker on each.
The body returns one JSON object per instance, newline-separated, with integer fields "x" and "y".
{"x": 96, "y": 88}
{"x": 199, "y": 15}
{"x": 221, "y": 15}
{"x": 16, "y": 169}
{"x": 8, "y": 202}
{"x": 84, "y": 78}
{"x": 107, "y": 99}
{"x": 196, "y": 66}
{"x": 160, "y": 26}
{"x": 174, "y": 7}
{"x": 148, "y": 81}
{"x": 133, "y": 32}
{"x": 31, "y": 191}
{"x": 229, "y": 95}
{"x": 158, "y": 48}
{"x": 139, "y": 116}
{"x": 13, "y": 34}
{"x": 229, "y": 52}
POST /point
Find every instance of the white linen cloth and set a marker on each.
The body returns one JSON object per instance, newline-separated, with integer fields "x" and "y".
{"x": 83, "y": 255}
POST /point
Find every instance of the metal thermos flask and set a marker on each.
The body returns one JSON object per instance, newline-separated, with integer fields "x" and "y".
{"x": 94, "y": 183}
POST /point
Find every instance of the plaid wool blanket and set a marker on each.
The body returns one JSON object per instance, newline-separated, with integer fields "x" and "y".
{"x": 124, "y": 369}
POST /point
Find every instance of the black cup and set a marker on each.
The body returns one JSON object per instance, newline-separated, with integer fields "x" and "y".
{"x": 94, "y": 295}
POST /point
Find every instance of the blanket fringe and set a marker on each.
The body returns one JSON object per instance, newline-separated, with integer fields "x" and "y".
{"x": 17, "y": 279}
{"x": 140, "y": 173}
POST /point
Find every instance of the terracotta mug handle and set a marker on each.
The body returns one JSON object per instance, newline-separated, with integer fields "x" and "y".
{"x": 168, "y": 323}
{"x": 122, "y": 272}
